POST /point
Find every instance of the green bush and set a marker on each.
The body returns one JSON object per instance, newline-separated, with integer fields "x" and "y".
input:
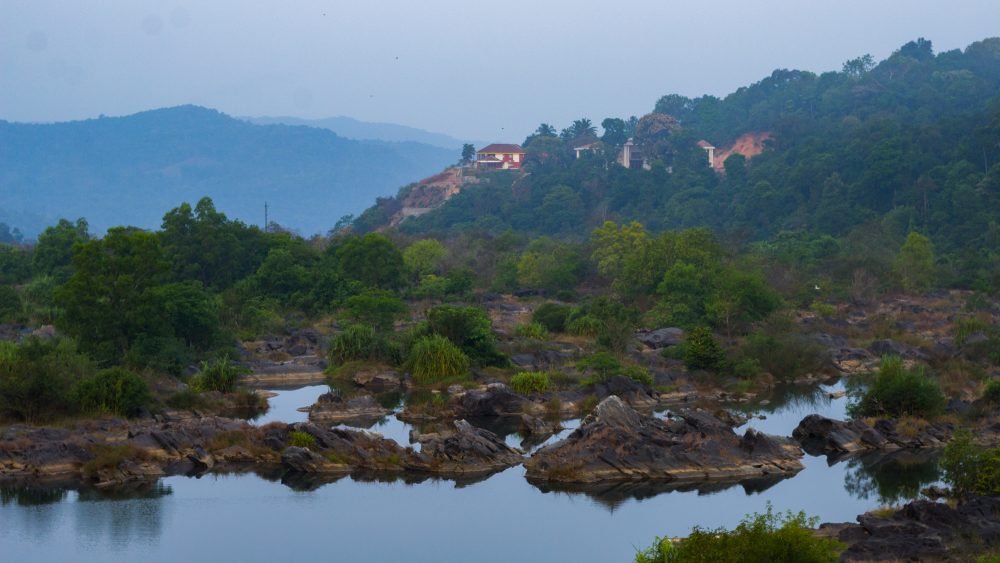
{"x": 971, "y": 469}
{"x": 222, "y": 375}
{"x": 992, "y": 391}
{"x": 786, "y": 356}
{"x": 527, "y": 382}
{"x": 702, "y": 351}
{"x": 605, "y": 366}
{"x": 434, "y": 358}
{"x": 638, "y": 373}
{"x": 300, "y": 439}
{"x": 10, "y": 303}
{"x": 470, "y": 329}
{"x": 532, "y": 330}
{"x": 585, "y": 325}
{"x": 552, "y": 316}
{"x": 113, "y": 391}
{"x": 37, "y": 378}
{"x": 763, "y": 538}
{"x": 357, "y": 342}
{"x": 897, "y": 391}
{"x": 375, "y": 307}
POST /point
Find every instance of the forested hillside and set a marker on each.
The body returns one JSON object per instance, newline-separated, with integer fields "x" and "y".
{"x": 864, "y": 156}
{"x": 127, "y": 170}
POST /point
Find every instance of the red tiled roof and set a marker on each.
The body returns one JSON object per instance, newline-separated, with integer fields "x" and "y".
{"x": 496, "y": 148}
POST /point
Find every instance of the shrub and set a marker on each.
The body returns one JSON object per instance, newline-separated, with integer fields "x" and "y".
{"x": 767, "y": 537}
{"x": 898, "y": 391}
{"x": 116, "y": 391}
{"x": 638, "y": 373}
{"x": 971, "y": 469}
{"x": 375, "y": 307}
{"x": 434, "y": 358}
{"x": 552, "y": 316}
{"x": 532, "y": 330}
{"x": 357, "y": 342}
{"x": 37, "y": 378}
{"x": 586, "y": 325}
{"x": 10, "y": 303}
{"x": 300, "y": 439}
{"x": 470, "y": 329}
{"x": 992, "y": 391}
{"x": 701, "y": 350}
{"x": 222, "y": 375}
{"x": 605, "y": 366}
{"x": 786, "y": 356}
{"x": 527, "y": 382}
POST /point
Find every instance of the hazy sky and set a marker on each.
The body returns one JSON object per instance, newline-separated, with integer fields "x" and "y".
{"x": 481, "y": 70}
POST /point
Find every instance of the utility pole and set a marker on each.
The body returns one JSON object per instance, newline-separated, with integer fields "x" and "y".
{"x": 265, "y": 216}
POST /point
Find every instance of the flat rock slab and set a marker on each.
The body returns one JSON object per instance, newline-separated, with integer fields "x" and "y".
{"x": 616, "y": 443}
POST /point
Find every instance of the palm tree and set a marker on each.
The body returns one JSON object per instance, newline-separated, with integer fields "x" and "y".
{"x": 582, "y": 127}
{"x": 545, "y": 130}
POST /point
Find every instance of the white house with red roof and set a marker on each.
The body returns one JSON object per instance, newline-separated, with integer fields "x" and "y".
{"x": 500, "y": 156}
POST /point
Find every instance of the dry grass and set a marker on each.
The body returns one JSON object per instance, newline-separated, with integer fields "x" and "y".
{"x": 910, "y": 427}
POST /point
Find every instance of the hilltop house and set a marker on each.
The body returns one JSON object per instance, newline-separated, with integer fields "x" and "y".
{"x": 500, "y": 156}
{"x": 708, "y": 148}
{"x": 631, "y": 157}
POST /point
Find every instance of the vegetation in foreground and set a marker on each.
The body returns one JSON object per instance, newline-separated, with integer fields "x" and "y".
{"x": 759, "y": 538}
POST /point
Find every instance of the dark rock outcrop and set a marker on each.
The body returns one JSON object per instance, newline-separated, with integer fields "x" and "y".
{"x": 637, "y": 395}
{"x": 495, "y": 400}
{"x": 661, "y": 337}
{"x": 305, "y": 460}
{"x": 925, "y": 530}
{"x": 379, "y": 379}
{"x": 821, "y": 435}
{"x": 334, "y": 409}
{"x": 616, "y": 443}
{"x": 467, "y": 450}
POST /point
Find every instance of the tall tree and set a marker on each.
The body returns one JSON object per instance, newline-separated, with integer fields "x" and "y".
{"x": 915, "y": 263}
{"x": 468, "y": 154}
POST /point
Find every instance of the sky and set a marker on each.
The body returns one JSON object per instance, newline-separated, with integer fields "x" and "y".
{"x": 476, "y": 70}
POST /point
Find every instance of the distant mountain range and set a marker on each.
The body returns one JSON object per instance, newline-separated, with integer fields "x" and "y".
{"x": 131, "y": 170}
{"x": 368, "y": 131}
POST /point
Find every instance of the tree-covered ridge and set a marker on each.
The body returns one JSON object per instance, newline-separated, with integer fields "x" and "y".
{"x": 866, "y": 154}
{"x": 116, "y": 170}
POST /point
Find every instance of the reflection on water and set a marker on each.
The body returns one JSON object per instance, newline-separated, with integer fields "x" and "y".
{"x": 894, "y": 477}
{"x": 261, "y": 516}
{"x": 25, "y": 495}
{"x": 786, "y": 405}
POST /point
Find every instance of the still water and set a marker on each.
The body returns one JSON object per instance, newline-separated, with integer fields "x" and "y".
{"x": 502, "y": 518}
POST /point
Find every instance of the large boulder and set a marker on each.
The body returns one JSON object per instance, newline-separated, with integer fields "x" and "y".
{"x": 821, "y": 435}
{"x": 379, "y": 379}
{"x": 616, "y": 443}
{"x": 661, "y": 337}
{"x": 926, "y": 531}
{"x": 637, "y": 395}
{"x": 494, "y": 400}
{"x": 335, "y": 409}
{"x": 467, "y": 449}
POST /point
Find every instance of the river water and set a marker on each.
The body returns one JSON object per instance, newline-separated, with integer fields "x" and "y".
{"x": 502, "y": 518}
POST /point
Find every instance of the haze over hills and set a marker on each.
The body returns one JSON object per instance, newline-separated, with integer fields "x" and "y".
{"x": 368, "y": 131}
{"x": 128, "y": 170}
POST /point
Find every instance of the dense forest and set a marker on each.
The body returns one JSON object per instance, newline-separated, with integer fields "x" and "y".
{"x": 853, "y": 162}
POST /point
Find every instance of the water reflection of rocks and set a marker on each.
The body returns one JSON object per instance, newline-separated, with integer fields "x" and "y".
{"x": 893, "y": 477}
{"x": 613, "y": 495}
